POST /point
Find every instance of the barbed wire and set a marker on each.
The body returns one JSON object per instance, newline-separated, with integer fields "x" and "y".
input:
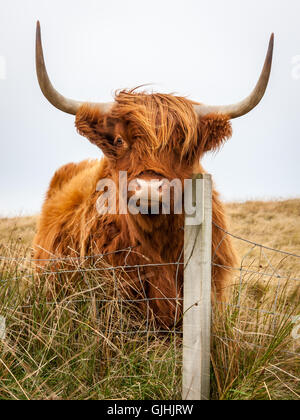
{"x": 87, "y": 257}
{"x": 255, "y": 243}
{"x": 68, "y": 258}
{"x": 245, "y": 270}
{"x": 147, "y": 300}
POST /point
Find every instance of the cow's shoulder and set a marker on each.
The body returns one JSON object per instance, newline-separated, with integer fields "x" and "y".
{"x": 68, "y": 199}
{"x": 71, "y": 187}
{"x": 65, "y": 174}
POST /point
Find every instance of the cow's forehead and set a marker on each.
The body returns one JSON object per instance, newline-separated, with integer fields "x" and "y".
{"x": 159, "y": 122}
{"x": 153, "y": 114}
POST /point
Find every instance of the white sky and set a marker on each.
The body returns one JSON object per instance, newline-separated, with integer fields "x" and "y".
{"x": 210, "y": 51}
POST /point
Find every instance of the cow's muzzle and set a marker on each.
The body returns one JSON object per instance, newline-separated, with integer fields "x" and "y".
{"x": 148, "y": 191}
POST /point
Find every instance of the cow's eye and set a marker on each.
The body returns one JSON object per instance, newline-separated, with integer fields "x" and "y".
{"x": 119, "y": 141}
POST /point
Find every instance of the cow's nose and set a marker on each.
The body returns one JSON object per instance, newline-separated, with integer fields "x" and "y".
{"x": 149, "y": 190}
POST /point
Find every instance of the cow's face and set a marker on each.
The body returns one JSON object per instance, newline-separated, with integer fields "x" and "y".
{"x": 152, "y": 136}
{"x": 155, "y": 138}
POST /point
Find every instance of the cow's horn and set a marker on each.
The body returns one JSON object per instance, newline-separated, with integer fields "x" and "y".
{"x": 55, "y": 98}
{"x": 245, "y": 106}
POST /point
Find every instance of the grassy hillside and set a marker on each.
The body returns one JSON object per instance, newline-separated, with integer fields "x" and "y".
{"x": 66, "y": 347}
{"x": 274, "y": 223}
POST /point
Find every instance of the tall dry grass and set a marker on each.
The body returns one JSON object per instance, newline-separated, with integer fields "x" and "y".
{"x": 84, "y": 343}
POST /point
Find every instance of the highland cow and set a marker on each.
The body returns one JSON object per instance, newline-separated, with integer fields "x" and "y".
{"x": 151, "y": 136}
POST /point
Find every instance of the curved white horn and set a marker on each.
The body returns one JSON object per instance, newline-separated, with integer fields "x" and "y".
{"x": 69, "y": 106}
{"x": 241, "y": 108}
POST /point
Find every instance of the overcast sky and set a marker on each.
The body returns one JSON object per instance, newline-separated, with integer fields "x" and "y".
{"x": 211, "y": 51}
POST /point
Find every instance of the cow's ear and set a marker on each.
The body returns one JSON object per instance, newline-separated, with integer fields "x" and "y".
{"x": 213, "y": 131}
{"x": 90, "y": 123}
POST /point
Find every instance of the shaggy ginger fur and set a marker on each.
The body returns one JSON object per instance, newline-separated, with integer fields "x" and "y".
{"x": 145, "y": 135}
